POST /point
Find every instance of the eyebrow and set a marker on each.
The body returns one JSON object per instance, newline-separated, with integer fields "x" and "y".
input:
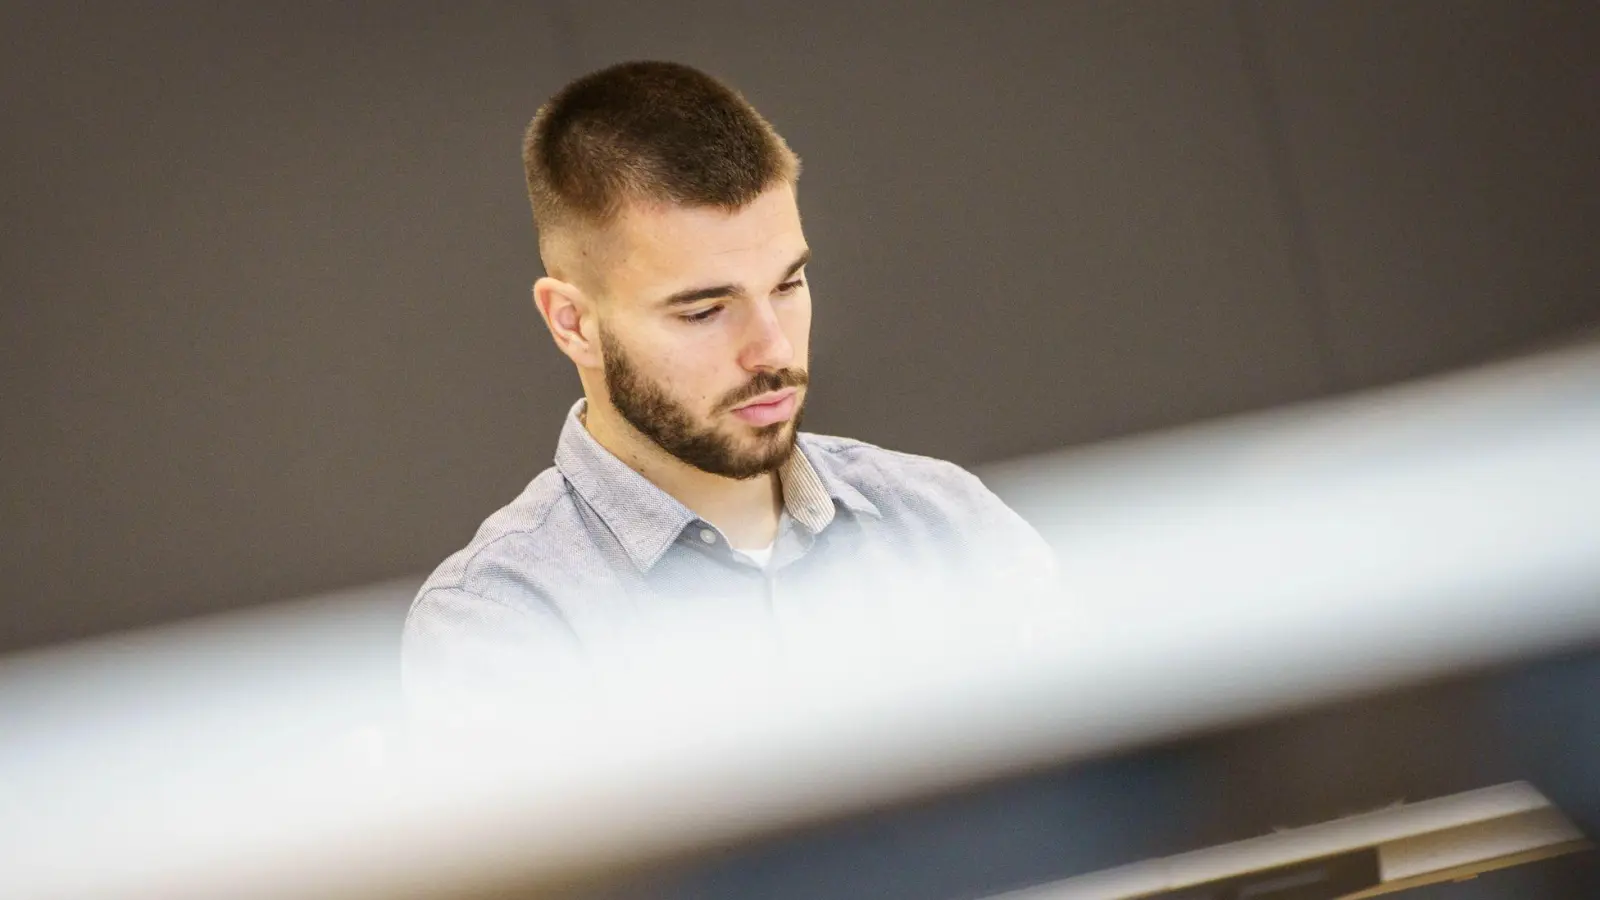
{"x": 695, "y": 295}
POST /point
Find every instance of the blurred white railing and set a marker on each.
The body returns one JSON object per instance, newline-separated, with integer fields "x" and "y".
{"x": 1209, "y": 575}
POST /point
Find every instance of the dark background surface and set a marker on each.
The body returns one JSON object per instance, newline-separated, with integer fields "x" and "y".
{"x": 266, "y": 324}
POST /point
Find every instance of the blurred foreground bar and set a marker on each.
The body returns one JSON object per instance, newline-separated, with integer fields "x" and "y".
{"x": 1212, "y": 576}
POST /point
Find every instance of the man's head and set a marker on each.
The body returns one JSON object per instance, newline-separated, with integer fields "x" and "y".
{"x": 667, "y": 223}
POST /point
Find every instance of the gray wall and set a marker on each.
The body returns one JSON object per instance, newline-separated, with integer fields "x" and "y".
{"x": 266, "y": 327}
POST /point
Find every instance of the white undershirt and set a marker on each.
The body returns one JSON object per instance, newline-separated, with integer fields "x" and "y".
{"x": 762, "y": 556}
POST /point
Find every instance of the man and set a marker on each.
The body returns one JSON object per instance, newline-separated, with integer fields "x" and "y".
{"x": 677, "y": 285}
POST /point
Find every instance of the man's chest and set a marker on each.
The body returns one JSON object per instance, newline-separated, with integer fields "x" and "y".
{"x": 839, "y": 578}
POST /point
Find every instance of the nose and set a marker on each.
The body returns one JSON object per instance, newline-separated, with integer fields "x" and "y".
{"x": 767, "y": 346}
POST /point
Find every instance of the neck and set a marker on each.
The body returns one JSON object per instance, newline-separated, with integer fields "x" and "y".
{"x": 745, "y": 511}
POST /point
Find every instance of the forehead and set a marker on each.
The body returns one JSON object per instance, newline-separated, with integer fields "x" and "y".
{"x": 661, "y": 244}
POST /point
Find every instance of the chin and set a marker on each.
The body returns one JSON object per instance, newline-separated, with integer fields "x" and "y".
{"x": 759, "y": 440}
{"x": 767, "y": 434}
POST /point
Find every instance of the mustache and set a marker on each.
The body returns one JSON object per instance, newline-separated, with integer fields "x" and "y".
{"x": 764, "y": 382}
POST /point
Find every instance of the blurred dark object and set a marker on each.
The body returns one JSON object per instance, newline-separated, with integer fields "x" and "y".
{"x": 1552, "y": 724}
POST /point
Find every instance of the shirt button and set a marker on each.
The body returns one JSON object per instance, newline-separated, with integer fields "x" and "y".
{"x": 708, "y": 535}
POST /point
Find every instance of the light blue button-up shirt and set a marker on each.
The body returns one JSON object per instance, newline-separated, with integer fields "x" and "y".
{"x": 592, "y": 553}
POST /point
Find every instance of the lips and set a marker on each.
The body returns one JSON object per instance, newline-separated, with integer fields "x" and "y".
{"x": 768, "y": 409}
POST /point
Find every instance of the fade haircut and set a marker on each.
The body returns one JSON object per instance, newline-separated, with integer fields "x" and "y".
{"x": 648, "y": 133}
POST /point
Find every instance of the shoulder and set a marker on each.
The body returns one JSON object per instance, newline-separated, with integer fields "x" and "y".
{"x": 897, "y": 478}
{"x": 532, "y": 534}
{"x": 935, "y": 497}
{"x": 858, "y": 456}
{"x": 487, "y": 618}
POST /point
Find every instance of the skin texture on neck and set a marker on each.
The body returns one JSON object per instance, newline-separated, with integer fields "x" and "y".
{"x": 704, "y": 310}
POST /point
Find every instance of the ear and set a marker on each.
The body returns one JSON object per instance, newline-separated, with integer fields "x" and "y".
{"x": 571, "y": 317}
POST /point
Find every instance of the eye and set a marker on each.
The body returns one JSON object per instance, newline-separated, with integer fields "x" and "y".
{"x": 704, "y": 315}
{"x": 789, "y": 287}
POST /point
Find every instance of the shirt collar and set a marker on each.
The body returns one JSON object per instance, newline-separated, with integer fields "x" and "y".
{"x": 647, "y": 520}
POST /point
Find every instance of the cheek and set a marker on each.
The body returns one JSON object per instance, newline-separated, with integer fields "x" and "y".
{"x": 797, "y": 324}
{"x": 690, "y": 373}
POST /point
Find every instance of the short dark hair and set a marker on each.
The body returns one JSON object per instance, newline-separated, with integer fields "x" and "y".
{"x": 647, "y": 132}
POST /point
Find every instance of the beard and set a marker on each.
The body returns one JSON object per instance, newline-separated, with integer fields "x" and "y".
{"x": 646, "y": 405}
